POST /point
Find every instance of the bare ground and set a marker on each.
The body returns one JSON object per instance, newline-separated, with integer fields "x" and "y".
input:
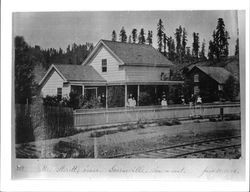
{"x": 82, "y": 145}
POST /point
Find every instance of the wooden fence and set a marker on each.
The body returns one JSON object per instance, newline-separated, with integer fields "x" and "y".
{"x": 85, "y": 118}
{"x": 38, "y": 122}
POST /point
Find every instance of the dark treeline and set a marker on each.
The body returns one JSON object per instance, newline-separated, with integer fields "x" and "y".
{"x": 28, "y": 58}
{"x": 74, "y": 54}
{"x": 175, "y": 48}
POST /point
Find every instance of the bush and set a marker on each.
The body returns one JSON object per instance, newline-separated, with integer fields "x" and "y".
{"x": 145, "y": 99}
{"x": 93, "y": 103}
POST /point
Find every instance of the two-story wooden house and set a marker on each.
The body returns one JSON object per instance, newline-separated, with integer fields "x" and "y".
{"x": 134, "y": 67}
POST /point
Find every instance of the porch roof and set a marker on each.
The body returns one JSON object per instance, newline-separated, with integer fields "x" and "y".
{"x": 110, "y": 83}
{"x": 144, "y": 82}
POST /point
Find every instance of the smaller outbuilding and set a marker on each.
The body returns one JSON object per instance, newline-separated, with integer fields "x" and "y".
{"x": 208, "y": 82}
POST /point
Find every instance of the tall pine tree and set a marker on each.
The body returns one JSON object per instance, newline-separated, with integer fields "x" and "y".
{"x": 178, "y": 37}
{"x": 164, "y": 44}
{"x": 134, "y": 35}
{"x": 196, "y": 45}
{"x": 184, "y": 43}
{"x": 171, "y": 49}
{"x": 123, "y": 36}
{"x": 114, "y": 36}
{"x": 202, "y": 52}
{"x": 24, "y": 65}
{"x": 160, "y": 32}
{"x": 218, "y": 48}
{"x": 150, "y": 37}
{"x": 142, "y": 37}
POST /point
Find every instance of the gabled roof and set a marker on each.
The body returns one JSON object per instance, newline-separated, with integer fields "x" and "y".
{"x": 132, "y": 54}
{"x": 75, "y": 73}
{"x": 219, "y": 74}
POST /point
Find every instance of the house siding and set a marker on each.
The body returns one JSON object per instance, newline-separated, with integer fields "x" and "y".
{"x": 140, "y": 73}
{"x": 114, "y": 73}
{"x": 54, "y": 81}
{"x": 208, "y": 87}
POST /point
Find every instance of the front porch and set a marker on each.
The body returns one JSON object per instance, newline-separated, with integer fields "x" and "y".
{"x": 116, "y": 94}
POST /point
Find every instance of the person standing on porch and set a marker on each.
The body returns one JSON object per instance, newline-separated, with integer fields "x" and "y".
{"x": 130, "y": 101}
{"x": 164, "y": 102}
{"x": 133, "y": 104}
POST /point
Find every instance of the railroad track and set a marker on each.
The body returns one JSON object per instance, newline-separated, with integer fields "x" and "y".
{"x": 224, "y": 147}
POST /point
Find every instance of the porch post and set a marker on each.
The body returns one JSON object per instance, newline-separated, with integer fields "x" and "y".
{"x": 126, "y": 95}
{"x": 138, "y": 94}
{"x": 82, "y": 90}
{"x": 106, "y": 97}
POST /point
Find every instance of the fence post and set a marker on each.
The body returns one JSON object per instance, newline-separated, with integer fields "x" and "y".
{"x": 95, "y": 148}
{"x": 221, "y": 113}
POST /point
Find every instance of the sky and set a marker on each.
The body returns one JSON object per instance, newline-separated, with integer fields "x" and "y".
{"x": 59, "y": 29}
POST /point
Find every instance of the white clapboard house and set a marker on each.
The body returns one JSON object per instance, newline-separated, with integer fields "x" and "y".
{"x": 132, "y": 66}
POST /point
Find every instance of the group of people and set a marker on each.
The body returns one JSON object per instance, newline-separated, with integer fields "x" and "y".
{"x": 195, "y": 100}
{"x": 132, "y": 102}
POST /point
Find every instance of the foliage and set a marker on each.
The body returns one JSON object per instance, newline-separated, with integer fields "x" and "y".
{"x": 160, "y": 32}
{"x": 202, "y": 52}
{"x": 39, "y": 122}
{"x": 237, "y": 47}
{"x": 23, "y": 124}
{"x": 114, "y": 37}
{"x": 134, "y": 35}
{"x": 231, "y": 88}
{"x": 123, "y": 36}
{"x": 93, "y": 103}
{"x": 184, "y": 42}
{"x": 178, "y": 37}
{"x": 145, "y": 98}
{"x": 141, "y": 37}
{"x": 218, "y": 47}
{"x": 171, "y": 49}
{"x": 164, "y": 44}
{"x": 150, "y": 37}
{"x": 74, "y": 54}
{"x": 24, "y": 65}
{"x": 196, "y": 46}
{"x": 72, "y": 101}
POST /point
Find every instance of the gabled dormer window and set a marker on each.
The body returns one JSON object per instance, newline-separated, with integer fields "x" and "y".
{"x": 104, "y": 65}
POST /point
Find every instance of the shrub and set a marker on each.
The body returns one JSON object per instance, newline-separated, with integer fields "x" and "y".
{"x": 91, "y": 104}
{"x": 145, "y": 98}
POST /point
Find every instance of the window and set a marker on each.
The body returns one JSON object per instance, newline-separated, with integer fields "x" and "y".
{"x": 196, "y": 90}
{"x": 104, "y": 65}
{"x": 196, "y": 78}
{"x": 59, "y": 92}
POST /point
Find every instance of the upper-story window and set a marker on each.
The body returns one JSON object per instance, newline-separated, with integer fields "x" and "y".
{"x": 104, "y": 65}
{"x": 196, "y": 78}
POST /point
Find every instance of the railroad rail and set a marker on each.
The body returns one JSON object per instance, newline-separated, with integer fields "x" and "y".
{"x": 224, "y": 147}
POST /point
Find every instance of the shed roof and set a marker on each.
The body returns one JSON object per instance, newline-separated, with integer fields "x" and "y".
{"x": 75, "y": 73}
{"x": 135, "y": 54}
{"x": 219, "y": 74}
{"x": 79, "y": 73}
